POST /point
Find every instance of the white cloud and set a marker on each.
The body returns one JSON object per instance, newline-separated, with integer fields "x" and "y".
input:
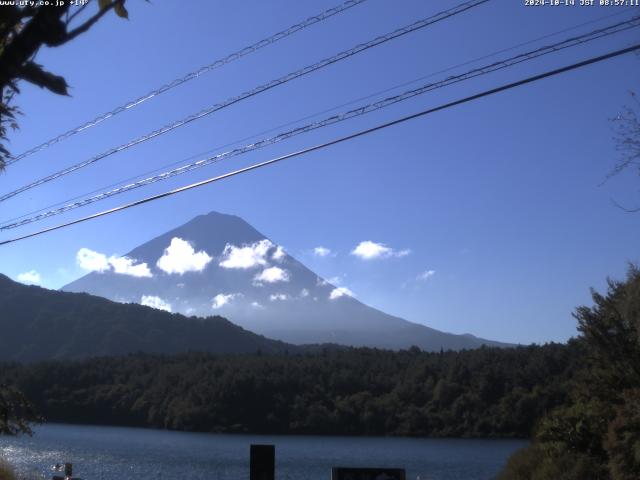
{"x": 369, "y": 250}
{"x": 321, "y": 251}
{"x": 180, "y": 257}
{"x": 98, "y": 262}
{"x": 125, "y": 266}
{"x": 221, "y": 299}
{"x": 248, "y": 256}
{"x": 257, "y": 305}
{"x": 92, "y": 261}
{"x": 279, "y": 297}
{"x": 31, "y": 276}
{"x": 426, "y": 274}
{"x": 271, "y": 275}
{"x": 340, "y": 292}
{"x": 155, "y": 302}
{"x": 279, "y": 254}
{"x": 304, "y": 293}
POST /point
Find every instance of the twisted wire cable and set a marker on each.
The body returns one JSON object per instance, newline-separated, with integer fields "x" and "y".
{"x": 362, "y": 110}
{"x": 190, "y": 76}
{"x": 335, "y": 141}
{"x": 250, "y": 93}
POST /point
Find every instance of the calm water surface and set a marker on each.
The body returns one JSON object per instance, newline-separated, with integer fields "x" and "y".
{"x": 110, "y": 453}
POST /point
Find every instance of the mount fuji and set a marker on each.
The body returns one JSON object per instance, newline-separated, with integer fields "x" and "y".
{"x": 219, "y": 264}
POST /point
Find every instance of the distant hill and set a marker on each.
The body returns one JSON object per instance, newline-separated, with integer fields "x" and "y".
{"x": 218, "y": 263}
{"x": 40, "y": 324}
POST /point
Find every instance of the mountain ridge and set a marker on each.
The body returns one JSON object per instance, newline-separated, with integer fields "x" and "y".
{"x": 41, "y": 324}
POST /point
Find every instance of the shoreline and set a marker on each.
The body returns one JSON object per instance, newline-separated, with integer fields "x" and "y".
{"x": 267, "y": 434}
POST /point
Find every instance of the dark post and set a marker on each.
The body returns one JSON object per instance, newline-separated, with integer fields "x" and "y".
{"x": 68, "y": 470}
{"x": 263, "y": 462}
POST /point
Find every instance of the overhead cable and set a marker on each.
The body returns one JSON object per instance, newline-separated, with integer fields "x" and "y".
{"x": 190, "y": 76}
{"x": 250, "y": 93}
{"x": 345, "y": 138}
{"x": 361, "y": 110}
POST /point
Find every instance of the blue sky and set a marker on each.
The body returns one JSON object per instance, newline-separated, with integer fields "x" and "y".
{"x": 501, "y": 198}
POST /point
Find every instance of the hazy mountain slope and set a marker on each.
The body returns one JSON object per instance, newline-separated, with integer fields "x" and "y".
{"x": 39, "y": 324}
{"x": 303, "y": 308}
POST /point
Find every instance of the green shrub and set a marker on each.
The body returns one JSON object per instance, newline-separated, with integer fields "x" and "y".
{"x": 536, "y": 463}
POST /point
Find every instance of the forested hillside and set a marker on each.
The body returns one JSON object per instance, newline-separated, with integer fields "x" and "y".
{"x": 489, "y": 392}
{"x": 39, "y": 324}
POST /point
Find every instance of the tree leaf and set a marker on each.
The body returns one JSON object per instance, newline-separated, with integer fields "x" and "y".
{"x": 120, "y": 10}
{"x": 34, "y": 73}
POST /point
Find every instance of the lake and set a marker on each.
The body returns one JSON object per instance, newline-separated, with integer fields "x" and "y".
{"x": 116, "y": 453}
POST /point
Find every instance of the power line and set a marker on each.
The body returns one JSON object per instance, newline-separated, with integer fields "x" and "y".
{"x": 345, "y": 138}
{"x": 307, "y": 117}
{"x": 362, "y": 110}
{"x": 191, "y": 75}
{"x": 260, "y": 89}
